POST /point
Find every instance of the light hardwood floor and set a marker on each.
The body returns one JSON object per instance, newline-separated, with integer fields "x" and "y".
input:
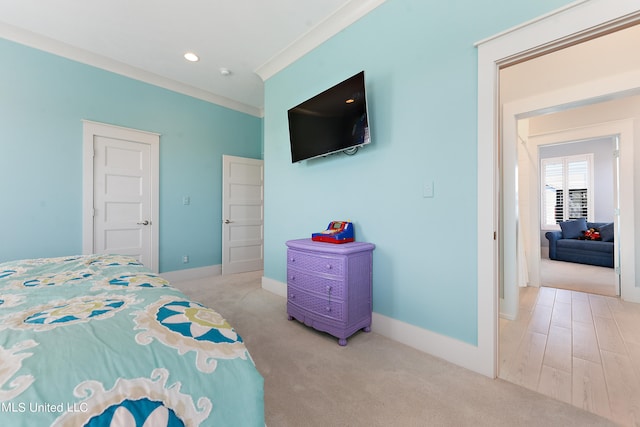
{"x": 577, "y": 347}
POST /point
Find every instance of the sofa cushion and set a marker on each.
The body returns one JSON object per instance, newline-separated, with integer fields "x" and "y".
{"x": 573, "y": 229}
{"x": 607, "y": 232}
{"x": 584, "y": 246}
{"x": 596, "y": 224}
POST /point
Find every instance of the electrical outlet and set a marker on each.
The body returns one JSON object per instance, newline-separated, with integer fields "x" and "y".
{"x": 185, "y": 259}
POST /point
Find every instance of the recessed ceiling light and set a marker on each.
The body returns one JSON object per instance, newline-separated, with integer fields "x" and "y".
{"x": 190, "y": 56}
{"x": 225, "y": 71}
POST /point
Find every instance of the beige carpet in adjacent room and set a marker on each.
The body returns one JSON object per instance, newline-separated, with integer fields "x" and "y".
{"x": 373, "y": 381}
{"x": 578, "y": 277}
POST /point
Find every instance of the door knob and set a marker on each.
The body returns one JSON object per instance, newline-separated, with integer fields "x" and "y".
{"x": 227, "y": 221}
{"x": 145, "y": 222}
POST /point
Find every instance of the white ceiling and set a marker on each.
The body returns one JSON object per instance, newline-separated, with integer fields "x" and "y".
{"x": 146, "y": 39}
{"x": 603, "y": 57}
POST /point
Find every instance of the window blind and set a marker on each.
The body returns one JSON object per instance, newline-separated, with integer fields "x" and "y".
{"x": 566, "y": 188}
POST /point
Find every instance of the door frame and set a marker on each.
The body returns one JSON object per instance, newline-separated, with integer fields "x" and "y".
{"x": 91, "y": 129}
{"x": 530, "y": 220}
{"x": 560, "y": 28}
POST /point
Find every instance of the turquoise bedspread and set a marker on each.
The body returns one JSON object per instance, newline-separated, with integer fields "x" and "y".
{"x": 99, "y": 340}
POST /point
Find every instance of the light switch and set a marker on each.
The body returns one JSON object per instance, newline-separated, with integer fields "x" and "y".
{"x": 186, "y": 200}
{"x": 427, "y": 189}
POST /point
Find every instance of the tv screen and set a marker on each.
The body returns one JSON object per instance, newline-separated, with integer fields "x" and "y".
{"x": 332, "y": 121}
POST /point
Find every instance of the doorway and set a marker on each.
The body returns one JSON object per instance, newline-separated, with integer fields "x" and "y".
{"x": 548, "y": 357}
{"x": 558, "y": 342}
{"x": 121, "y": 192}
{"x": 560, "y": 28}
{"x": 585, "y": 116}
{"x": 588, "y": 167}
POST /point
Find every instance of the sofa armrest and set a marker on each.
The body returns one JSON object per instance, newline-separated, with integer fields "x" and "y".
{"x": 553, "y": 237}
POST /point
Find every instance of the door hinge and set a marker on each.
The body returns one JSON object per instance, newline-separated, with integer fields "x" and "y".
{"x": 616, "y": 153}
{"x": 495, "y": 235}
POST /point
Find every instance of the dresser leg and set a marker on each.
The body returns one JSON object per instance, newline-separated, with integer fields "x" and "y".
{"x": 367, "y": 329}
{"x": 289, "y": 317}
{"x": 342, "y": 341}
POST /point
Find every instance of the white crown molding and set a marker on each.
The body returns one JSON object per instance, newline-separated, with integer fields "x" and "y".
{"x": 338, "y": 21}
{"x": 530, "y": 22}
{"x": 46, "y": 44}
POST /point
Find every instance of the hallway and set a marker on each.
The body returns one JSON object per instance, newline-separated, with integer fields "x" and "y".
{"x": 580, "y": 348}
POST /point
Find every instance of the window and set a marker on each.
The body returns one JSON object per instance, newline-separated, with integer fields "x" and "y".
{"x": 567, "y": 184}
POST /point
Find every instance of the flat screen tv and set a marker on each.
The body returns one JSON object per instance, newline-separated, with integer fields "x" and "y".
{"x": 332, "y": 121}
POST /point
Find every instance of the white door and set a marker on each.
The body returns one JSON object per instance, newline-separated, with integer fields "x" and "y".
{"x": 121, "y": 167}
{"x": 242, "y": 214}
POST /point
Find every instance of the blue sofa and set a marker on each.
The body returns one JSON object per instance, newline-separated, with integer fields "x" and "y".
{"x": 567, "y": 245}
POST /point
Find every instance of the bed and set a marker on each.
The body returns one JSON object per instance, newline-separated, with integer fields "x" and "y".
{"x": 99, "y": 340}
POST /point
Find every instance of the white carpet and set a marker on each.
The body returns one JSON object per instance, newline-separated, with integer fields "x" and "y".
{"x": 312, "y": 381}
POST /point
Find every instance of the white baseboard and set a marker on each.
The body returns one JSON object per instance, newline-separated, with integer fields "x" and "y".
{"x": 508, "y": 316}
{"x": 274, "y": 286}
{"x": 192, "y": 273}
{"x": 447, "y": 348}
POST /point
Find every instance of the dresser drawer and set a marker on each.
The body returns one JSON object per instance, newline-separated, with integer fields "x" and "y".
{"x": 334, "y": 288}
{"x": 315, "y": 263}
{"x": 316, "y": 304}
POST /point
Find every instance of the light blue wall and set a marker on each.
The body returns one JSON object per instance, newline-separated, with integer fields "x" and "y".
{"x": 421, "y": 71}
{"x": 43, "y": 99}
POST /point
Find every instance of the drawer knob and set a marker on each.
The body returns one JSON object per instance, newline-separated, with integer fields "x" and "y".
{"x": 292, "y": 259}
{"x": 328, "y": 266}
{"x": 293, "y": 278}
{"x": 328, "y": 289}
{"x": 328, "y": 309}
{"x": 292, "y": 296}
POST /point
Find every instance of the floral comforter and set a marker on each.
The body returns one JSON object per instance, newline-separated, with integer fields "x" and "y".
{"x": 99, "y": 340}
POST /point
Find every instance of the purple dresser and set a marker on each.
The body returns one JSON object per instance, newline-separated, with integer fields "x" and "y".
{"x": 329, "y": 286}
